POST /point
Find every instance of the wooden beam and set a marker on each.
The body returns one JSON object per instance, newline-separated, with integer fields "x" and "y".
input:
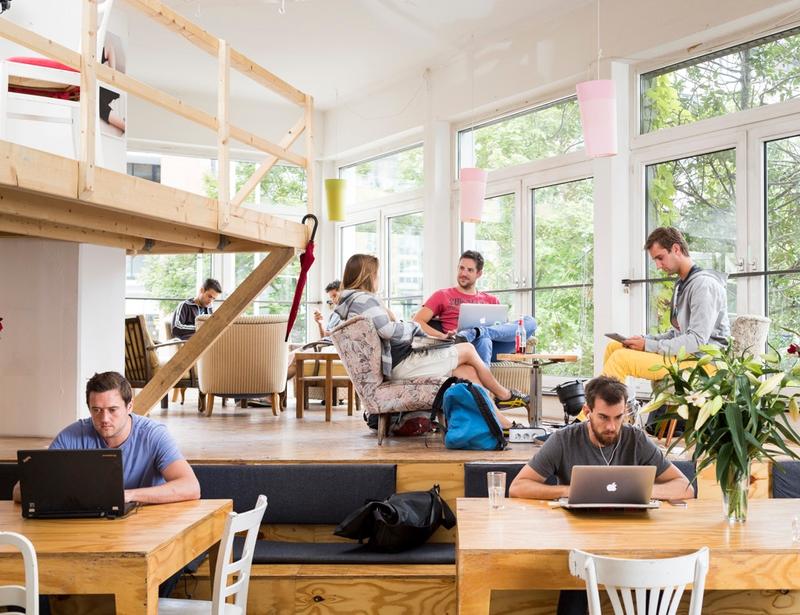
{"x": 205, "y": 41}
{"x": 309, "y": 115}
{"x": 88, "y": 102}
{"x": 223, "y": 136}
{"x": 236, "y": 245}
{"x": 205, "y": 337}
{"x": 240, "y": 134}
{"x": 50, "y": 175}
{"x": 73, "y": 213}
{"x": 261, "y": 75}
{"x": 63, "y": 232}
{"x": 21, "y": 36}
{"x": 155, "y": 96}
{"x": 286, "y": 142}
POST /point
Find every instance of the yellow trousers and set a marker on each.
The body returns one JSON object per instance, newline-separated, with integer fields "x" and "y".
{"x": 620, "y": 362}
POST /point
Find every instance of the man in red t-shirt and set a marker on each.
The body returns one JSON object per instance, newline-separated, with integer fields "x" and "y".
{"x": 445, "y": 305}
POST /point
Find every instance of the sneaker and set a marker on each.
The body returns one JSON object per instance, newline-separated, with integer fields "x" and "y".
{"x": 517, "y": 400}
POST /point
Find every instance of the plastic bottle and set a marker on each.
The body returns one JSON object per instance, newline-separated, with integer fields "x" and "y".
{"x": 520, "y": 338}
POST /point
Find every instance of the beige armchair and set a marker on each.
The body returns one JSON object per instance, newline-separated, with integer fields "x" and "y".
{"x": 247, "y": 361}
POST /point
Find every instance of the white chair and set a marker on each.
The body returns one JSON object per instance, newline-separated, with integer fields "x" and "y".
{"x": 628, "y": 582}
{"x": 239, "y": 570}
{"x": 15, "y": 595}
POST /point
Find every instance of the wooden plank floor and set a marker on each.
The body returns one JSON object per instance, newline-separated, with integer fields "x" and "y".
{"x": 253, "y": 435}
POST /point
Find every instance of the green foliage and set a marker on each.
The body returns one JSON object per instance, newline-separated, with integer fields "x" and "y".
{"x": 540, "y": 133}
{"x": 170, "y": 276}
{"x": 735, "y": 407}
{"x": 743, "y": 79}
{"x": 397, "y": 172}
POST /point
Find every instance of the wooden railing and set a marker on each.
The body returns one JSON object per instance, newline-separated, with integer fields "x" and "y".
{"x": 228, "y": 58}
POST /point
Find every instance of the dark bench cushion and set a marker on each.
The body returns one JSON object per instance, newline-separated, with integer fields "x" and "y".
{"x": 299, "y": 493}
{"x": 475, "y": 477}
{"x": 689, "y": 471}
{"x": 274, "y": 552}
{"x": 8, "y": 478}
{"x": 786, "y": 479}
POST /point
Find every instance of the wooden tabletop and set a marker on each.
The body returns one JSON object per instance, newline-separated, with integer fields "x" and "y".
{"x": 128, "y": 557}
{"x": 526, "y": 544}
{"x": 321, "y": 354}
{"x": 527, "y": 358}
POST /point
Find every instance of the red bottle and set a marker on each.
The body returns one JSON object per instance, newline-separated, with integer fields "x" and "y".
{"x": 520, "y": 338}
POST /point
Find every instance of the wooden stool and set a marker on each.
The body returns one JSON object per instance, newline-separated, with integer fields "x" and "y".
{"x": 667, "y": 430}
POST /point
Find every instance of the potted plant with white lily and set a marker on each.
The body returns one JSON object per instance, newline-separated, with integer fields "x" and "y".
{"x": 736, "y": 409}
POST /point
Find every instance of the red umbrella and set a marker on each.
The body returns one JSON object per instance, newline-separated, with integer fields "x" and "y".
{"x": 306, "y": 259}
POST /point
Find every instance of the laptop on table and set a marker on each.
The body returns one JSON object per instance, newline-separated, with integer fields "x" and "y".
{"x": 611, "y": 487}
{"x": 481, "y": 314}
{"x": 64, "y": 484}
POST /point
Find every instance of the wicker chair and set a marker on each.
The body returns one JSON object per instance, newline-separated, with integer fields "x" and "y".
{"x": 143, "y": 360}
{"x": 359, "y": 347}
{"x": 247, "y": 361}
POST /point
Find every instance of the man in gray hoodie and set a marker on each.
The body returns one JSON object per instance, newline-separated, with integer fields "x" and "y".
{"x": 698, "y": 313}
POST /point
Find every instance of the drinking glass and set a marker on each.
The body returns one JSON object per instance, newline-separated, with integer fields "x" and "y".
{"x": 496, "y": 482}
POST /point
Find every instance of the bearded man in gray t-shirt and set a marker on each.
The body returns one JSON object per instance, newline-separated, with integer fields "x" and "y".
{"x": 602, "y": 440}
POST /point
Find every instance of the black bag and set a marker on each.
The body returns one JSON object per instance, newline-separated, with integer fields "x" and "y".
{"x": 400, "y": 522}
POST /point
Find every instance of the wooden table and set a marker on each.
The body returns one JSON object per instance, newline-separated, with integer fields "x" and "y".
{"x": 127, "y": 557}
{"x": 537, "y": 362}
{"x": 328, "y": 356}
{"x": 526, "y": 545}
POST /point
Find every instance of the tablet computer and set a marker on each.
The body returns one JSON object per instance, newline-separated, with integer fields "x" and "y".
{"x": 617, "y": 337}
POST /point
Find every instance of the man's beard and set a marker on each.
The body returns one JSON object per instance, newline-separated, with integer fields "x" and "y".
{"x": 602, "y": 438}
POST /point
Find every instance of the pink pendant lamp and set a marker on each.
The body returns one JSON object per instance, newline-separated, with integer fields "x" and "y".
{"x": 598, "y": 104}
{"x": 472, "y": 193}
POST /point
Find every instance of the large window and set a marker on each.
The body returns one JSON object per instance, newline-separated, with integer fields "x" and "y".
{"x": 155, "y": 285}
{"x": 549, "y": 130}
{"x": 359, "y": 238}
{"x": 384, "y": 176}
{"x": 696, "y": 195}
{"x": 405, "y": 264}
{"x": 754, "y": 74}
{"x": 782, "y": 161}
{"x": 563, "y": 267}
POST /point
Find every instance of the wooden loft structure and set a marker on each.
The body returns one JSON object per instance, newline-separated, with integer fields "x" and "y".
{"x": 49, "y": 196}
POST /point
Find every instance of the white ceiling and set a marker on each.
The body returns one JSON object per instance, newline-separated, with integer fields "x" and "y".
{"x": 325, "y": 47}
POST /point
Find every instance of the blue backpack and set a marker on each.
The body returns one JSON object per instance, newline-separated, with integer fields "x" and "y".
{"x": 471, "y": 423}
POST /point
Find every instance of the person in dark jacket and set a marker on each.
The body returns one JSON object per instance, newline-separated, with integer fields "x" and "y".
{"x": 183, "y": 320}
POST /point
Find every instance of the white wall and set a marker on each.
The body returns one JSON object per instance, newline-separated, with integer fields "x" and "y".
{"x": 101, "y": 314}
{"x": 62, "y": 322}
{"x": 539, "y": 60}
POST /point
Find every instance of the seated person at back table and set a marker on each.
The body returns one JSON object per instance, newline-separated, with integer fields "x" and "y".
{"x": 604, "y": 439}
{"x": 332, "y": 290}
{"x": 699, "y": 313}
{"x": 185, "y": 315}
{"x": 445, "y": 305}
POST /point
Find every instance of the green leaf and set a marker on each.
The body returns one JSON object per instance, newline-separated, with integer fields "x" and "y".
{"x": 681, "y": 354}
{"x": 710, "y": 350}
{"x": 734, "y": 418}
{"x": 716, "y": 404}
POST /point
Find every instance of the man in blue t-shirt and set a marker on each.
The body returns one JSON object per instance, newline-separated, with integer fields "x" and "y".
{"x": 154, "y": 471}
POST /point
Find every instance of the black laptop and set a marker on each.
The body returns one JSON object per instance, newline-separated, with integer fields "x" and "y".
{"x": 63, "y": 484}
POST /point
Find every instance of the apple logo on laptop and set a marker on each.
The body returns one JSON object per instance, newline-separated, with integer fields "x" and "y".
{"x": 611, "y": 487}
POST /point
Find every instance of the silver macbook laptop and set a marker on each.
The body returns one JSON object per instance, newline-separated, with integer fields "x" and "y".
{"x": 611, "y": 487}
{"x": 481, "y": 314}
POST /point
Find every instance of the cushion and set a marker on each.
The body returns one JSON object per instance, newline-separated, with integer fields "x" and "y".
{"x": 46, "y": 62}
{"x": 279, "y": 552}
{"x": 786, "y": 479}
{"x": 475, "y": 477}
{"x": 299, "y": 493}
{"x": 9, "y": 475}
